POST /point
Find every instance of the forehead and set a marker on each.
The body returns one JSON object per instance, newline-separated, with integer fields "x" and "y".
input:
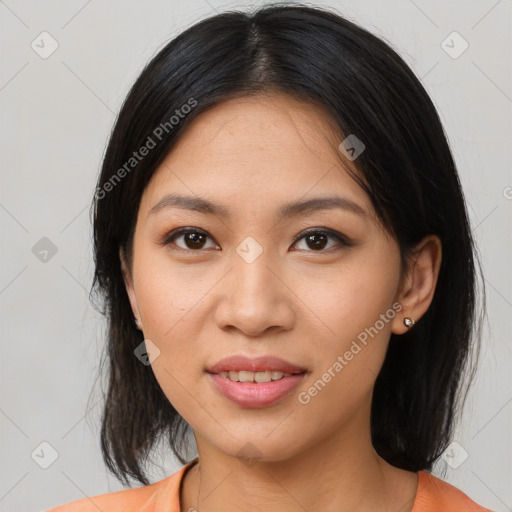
{"x": 261, "y": 149}
{"x": 276, "y": 120}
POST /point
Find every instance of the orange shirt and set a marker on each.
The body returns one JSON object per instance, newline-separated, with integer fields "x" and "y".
{"x": 433, "y": 495}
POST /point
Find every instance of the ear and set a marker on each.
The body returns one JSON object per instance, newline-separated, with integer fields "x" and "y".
{"x": 128, "y": 282}
{"x": 419, "y": 283}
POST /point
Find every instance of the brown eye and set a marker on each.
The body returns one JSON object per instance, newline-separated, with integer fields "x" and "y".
{"x": 317, "y": 240}
{"x": 193, "y": 239}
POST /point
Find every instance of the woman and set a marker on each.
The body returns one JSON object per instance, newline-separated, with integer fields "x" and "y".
{"x": 284, "y": 251}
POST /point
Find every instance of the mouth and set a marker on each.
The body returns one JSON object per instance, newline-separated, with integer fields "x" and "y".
{"x": 255, "y": 382}
{"x": 247, "y": 376}
{"x": 257, "y": 365}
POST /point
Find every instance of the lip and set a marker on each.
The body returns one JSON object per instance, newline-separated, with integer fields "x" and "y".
{"x": 240, "y": 362}
{"x": 255, "y": 394}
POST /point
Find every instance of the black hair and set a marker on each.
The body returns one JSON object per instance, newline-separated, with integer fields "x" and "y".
{"x": 408, "y": 172}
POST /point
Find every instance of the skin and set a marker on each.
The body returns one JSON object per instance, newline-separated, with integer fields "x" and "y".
{"x": 303, "y": 304}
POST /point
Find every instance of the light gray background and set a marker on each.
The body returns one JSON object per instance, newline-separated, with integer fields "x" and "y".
{"x": 56, "y": 117}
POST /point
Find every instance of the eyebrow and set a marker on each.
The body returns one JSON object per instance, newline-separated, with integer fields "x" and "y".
{"x": 287, "y": 210}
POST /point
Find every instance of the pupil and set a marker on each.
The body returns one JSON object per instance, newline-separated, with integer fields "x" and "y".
{"x": 196, "y": 240}
{"x": 317, "y": 245}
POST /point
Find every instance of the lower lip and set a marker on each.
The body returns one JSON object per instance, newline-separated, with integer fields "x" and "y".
{"x": 256, "y": 394}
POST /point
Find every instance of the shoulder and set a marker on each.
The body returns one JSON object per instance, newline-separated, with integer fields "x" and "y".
{"x": 119, "y": 501}
{"x": 436, "y": 494}
{"x": 149, "y": 498}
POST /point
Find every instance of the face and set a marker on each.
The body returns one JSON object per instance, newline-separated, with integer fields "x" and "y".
{"x": 315, "y": 287}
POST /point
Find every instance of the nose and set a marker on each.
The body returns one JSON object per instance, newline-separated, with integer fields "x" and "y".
{"x": 255, "y": 299}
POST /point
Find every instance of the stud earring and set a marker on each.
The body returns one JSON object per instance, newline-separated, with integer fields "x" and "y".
{"x": 138, "y": 321}
{"x": 409, "y": 322}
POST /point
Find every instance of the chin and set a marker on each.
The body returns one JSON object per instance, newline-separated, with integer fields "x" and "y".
{"x": 250, "y": 448}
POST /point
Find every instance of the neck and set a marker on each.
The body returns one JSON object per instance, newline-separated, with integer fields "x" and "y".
{"x": 338, "y": 475}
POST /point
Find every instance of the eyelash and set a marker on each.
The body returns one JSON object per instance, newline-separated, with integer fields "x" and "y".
{"x": 341, "y": 239}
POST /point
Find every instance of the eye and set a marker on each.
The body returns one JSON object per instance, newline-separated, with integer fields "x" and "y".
{"x": 317, "y": 239}
{"x": 193, "y": 238}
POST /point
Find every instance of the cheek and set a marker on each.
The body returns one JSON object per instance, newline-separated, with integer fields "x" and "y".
{"x": 169, "y": 294}
{"x": 169, "y": 302}
{"x": 356, "y": 316}
{"x": 353, "y": 299}
{"x": 169, "y": 299}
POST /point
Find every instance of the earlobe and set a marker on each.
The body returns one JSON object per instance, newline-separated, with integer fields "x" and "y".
{"x": 128, "y": 282}
{"x": 419, "y": 284}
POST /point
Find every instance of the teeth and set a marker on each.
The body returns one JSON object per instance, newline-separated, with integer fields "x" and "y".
{"x": 244, "y": 376}
{"x": 264, "y": 376}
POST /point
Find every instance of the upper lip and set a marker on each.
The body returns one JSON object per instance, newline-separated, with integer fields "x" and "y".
{"x": 254, "y": 364}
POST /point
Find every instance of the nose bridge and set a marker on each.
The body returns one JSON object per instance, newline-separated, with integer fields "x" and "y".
{"x": 253, "y": 298}
{"x": 251, "y": 272}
